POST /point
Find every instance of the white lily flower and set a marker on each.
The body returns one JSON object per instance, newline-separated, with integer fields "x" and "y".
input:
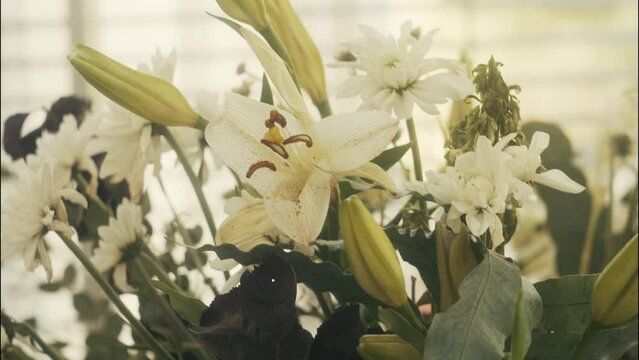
{"x": 32, "y": 207}
{"x": 123, "y": 231}
{"x": 393, "y": 75}
{"x": 127, "y": 138}
{"x": 291, "y": 160}
{"x": 526, "y": 161}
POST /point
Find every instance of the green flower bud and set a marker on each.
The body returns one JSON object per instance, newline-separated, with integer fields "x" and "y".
{"x": 148, "y": 96}
{"x": 614, "y": 297}
{"x": 251, "y": 12}
{"x": 304, "y": 55}
{"x": 371, "y": 255}
{"x": 386, "y": 347}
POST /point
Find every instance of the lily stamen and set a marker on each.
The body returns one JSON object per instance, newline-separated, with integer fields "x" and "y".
{"x": 259, "y": 165}
{"x": 299, "y": 138}
{"x": 276, "y": 147}
{"x": 275, "y": 117}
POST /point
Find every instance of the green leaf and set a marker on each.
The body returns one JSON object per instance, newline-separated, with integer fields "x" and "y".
{"x": 390, "y": 157}
{"x": 608, "y": 343}
{"x": 189, "y": 308}
{"x": 476, "y": 327}
{"x": 267, "y": 94}
{"x": 232, "y": 24}
{"x": 565, "y": 318}
{"x": 421, "y": 252}
{"x": 320, "y": 277}
{"x": 396, "y": 323}
{"x": 527, "y": 317}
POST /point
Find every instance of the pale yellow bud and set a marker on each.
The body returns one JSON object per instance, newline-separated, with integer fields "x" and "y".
{"x": 148, "y": 96}
{"x": 251, "y": 12}
{"x": 614, "y": 296}
{"x": 386, "y": 347}
{"x": 304, "y": 55}
{"x": 371, "y": 255}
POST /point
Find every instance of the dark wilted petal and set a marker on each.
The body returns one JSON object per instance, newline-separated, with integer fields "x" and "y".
{"x": 73, "y": 105}
{"x": 19, "y": 147}
{"x": 338, "y": 337}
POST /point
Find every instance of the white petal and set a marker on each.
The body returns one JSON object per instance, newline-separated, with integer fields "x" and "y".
{"x": 45, "y": 260}
{"x": 352, "y": 140}
{"x": 235, "y": 138}
{"x": 539, "y": 142}
{"x": 298, "y": 205}
{"x": 278, "y": 73}
{"x": 558, "y": 180}
{"x": 74, "y": 197}
{"x": 374, "y": 172}
{"x": 247, "y": 228}
{"x": 223, "y": 264}
{"x": 233, "y": 280}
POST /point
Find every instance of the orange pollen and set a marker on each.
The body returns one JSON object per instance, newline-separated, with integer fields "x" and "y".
{"x": 260, "y": 165}
{"x": 299, "y": 138}
{"x": 277, "y": 148}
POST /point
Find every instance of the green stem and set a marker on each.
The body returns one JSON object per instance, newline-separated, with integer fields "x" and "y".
{"x": 417, "y": 160}
{"x": 157, "y": 269}
{"x": 324, "y": 108}
{"x": 93, "y": 197}
{"x": 407, "y": 312}
{"x": 46, "y": 348}
{"x": 195, "y": 182}
{"x": 276, "y": 44}
{"x": 115, "y": 299}
{"x": 175, "y": 322}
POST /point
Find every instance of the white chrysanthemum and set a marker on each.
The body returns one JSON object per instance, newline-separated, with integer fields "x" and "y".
{"x": 33, "y": 207}
{"x": 485, "y": 182}
{"x": 127, "y": 138}
{"x": 123, "y": 231}
{"x": 393, "y": 74}
{"x": 67, "y": 148}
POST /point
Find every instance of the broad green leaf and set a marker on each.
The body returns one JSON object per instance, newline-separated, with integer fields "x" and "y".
{"x": 391, "y": 156}
{"x": 527, "y": 317}
{"x": 267, "y": 94}
{"x": 607, "y": 343}
{"x": 476, "y": 327}
{"x": 189, "y": 308}
{"x": 320, "y": 277}
{"x": 419, "y": 251}
{"x": 396, "y": 323}
{"x": 565, "y": 318}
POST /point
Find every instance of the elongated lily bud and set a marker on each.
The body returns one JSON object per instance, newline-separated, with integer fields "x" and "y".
{"x": 148, "y": 96}
{"x": 305, "y": 57}
{"x": 251, "y": 12}
{"x": 371, "y": 254}
{"x": 614, "y": 297}
{"x": 386, "y": 347}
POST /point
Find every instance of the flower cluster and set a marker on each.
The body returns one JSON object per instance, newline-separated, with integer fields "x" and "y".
{"x": 492, "y": 178}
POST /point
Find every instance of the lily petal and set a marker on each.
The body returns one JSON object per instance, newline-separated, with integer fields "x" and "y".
{"x": 298, "y": 205}
{"x": 558, "y": 180}
{"x": 278, "y": 73}
{"x": 247, "y": 228}
{"x": 539, "y": 142}
{"x": 374, "y": 172}
{"x": 352, "y": 140}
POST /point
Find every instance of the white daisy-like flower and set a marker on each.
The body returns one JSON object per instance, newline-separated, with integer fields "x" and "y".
{"x": 128, "y": 139}
{"x": 67, "y": 148}
{"x": 32, "y": 208}
{"x": 122, "y": 232}
{"x": 392, "y": 74}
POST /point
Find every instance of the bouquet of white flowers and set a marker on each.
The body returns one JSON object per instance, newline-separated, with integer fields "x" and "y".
{"x": 303, "y": 217}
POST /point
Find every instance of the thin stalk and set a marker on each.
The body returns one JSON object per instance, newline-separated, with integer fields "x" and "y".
{"x": 157, "y": 269}
{"x": 176, "y": 323}
{"x": 115, "y": 299}
{"x": 93, "y": 197}
{"x": 46, "y": 348}
{"x": 195, "y": 182}
{"x": 417, "y": 160}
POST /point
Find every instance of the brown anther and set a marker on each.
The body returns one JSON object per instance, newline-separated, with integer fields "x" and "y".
{"x": 275, "y": 117}
{"x": 277, "y": 148}
{"x": 299, "y": 138}
{"x": 260, "y": 165}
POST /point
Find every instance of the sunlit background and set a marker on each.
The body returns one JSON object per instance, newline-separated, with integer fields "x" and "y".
{"x": 576, "y": 61}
